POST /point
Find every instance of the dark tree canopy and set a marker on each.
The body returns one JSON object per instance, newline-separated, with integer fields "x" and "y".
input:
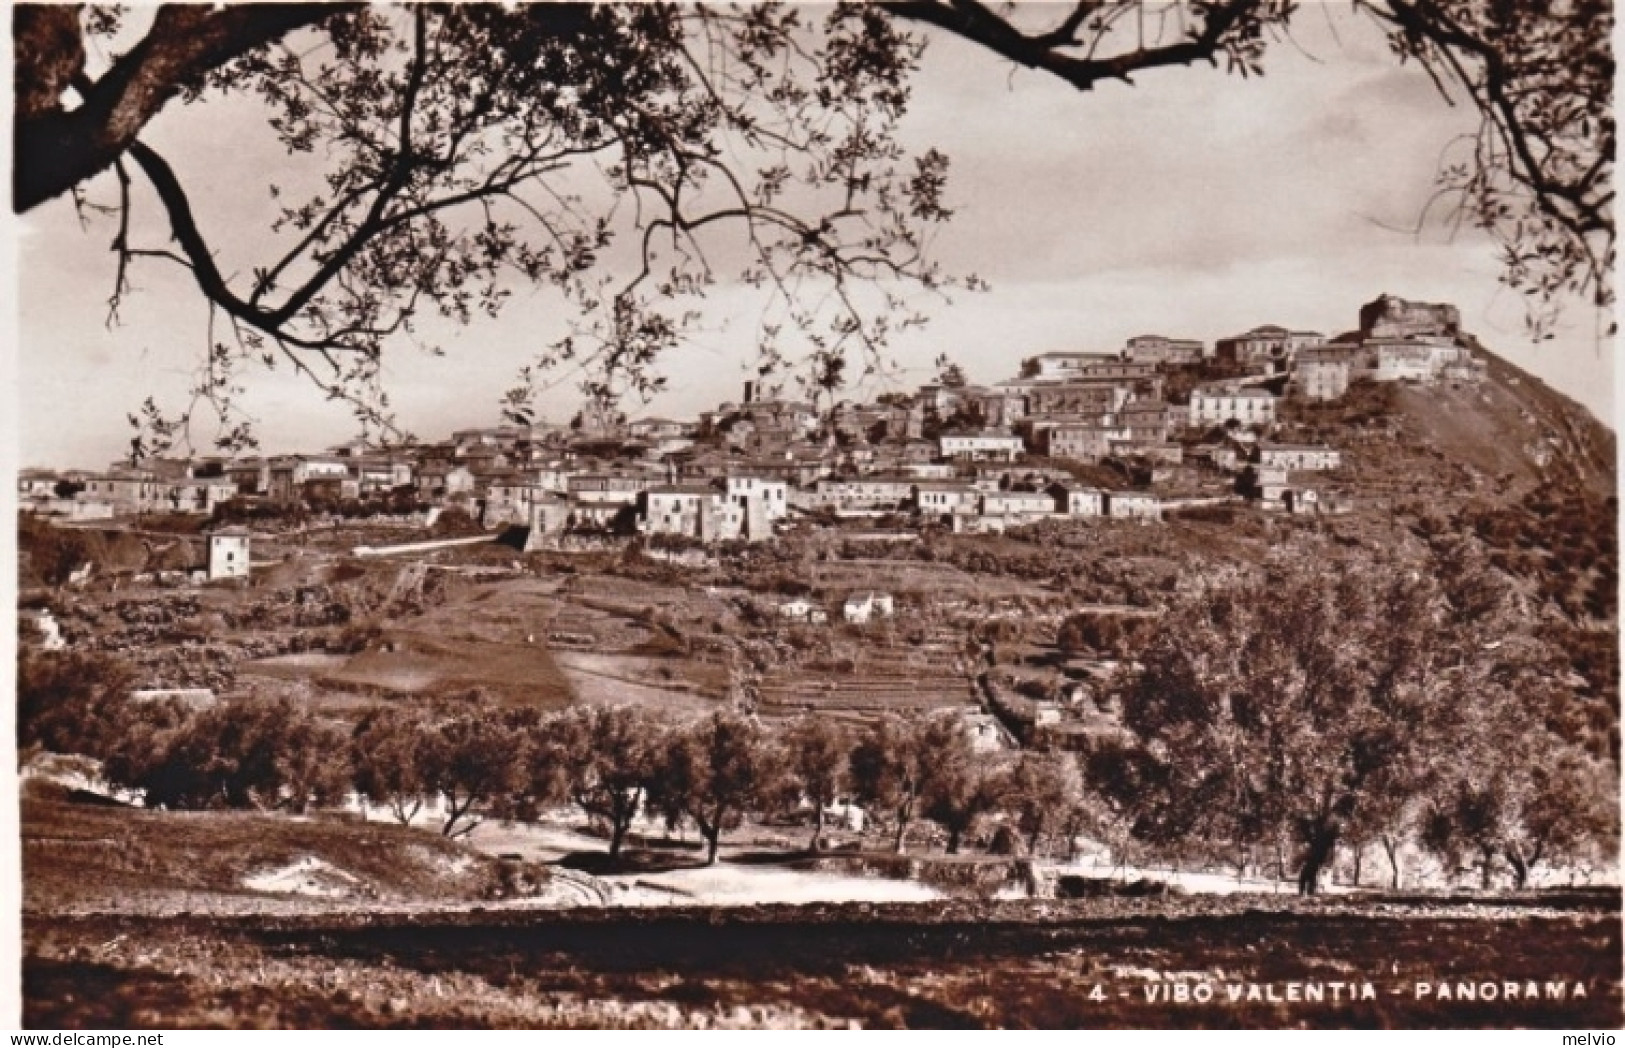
{"x": 632, "y": 156}
{"x": 1313, "y": 702}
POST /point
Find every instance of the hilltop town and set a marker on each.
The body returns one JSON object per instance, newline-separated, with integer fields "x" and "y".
{"x": 1159, "y": 425}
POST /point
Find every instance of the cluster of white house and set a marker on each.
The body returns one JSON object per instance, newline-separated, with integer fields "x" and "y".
{"x": 738, "y": 471}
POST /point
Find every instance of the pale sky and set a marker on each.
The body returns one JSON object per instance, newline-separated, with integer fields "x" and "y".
{"x": 1193, "y": 204}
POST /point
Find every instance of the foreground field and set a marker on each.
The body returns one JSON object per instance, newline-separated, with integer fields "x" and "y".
{"x": 1248, "y": 962}
{"x": 138, "y": 918}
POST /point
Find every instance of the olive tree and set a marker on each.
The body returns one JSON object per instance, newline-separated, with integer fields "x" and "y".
{"x": 1274, "y": 706}
{"x": 712, "y": 772}
{"x": 609, "y": 755}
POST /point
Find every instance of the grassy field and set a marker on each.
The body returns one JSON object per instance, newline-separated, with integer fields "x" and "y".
{"x": 80, "y": 856}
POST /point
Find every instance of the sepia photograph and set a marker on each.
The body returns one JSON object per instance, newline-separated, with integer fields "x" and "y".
{"x": 889, "y": 514}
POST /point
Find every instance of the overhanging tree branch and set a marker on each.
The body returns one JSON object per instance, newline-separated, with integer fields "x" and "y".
{"x": 58, "y": 148}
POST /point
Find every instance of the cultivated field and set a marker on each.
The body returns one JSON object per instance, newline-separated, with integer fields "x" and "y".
{"x": 1025, "y": 965}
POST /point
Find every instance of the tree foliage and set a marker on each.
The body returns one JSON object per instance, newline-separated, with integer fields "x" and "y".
{"x": 610, "y": 757}
{"x": 1045, "y": 794}
{"x": 70, "y": 702}
{"x": 1276, "y": 707}
{"x": 390, "y": 760}
{"x": 958, "y": 785}
{"x": 630, "y": 157}
{"x": 817, "y": 751}
{"x": 1518, "y": 793}
{"x": 247, "y": 753}
{"x": 474, "y": 762}
{"x": 888, "y": 771}
{"x": 712, "y": 772}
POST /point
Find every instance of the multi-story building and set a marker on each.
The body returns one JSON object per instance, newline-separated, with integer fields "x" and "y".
{"x": 944, "y": 496}
{"x": 872, "y": 492}
{"x": 1423, "y": 358}
{"x": 126, "y": 491}
{"x": 1323, "y": 373}
{"x": 1151, "y": 419}
{"x": 37, "y": 483}
{"x": 1017, "y": 504}
{"x": 1268, "y": 348}
{"x": 375, "y": 475}
{"x": 1248, "y": 406}
{"x": 1077, "y": 400}
{"x": 620, "y": 488}
{"x": 251, "y": 476}
{"x": 1298, "y": 457}
{"x": 197, "y": 496}
{"x": 981, "y": 447}
{"x": 1061, "y": 365}
{"x": 1159, "y": 349}
{"x": 1003, "y": 404}
{"x": 1078, "y": 501}
{"x": 1134, "y": 505}
{"x": 1079, "y": 441}
{"x": 743, "y": 488}
{"x": 288, "y": 475}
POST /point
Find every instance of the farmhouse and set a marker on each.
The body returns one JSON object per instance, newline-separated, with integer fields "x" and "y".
{"x": 803, "y": 610}
{"x": 228, "y": 553}
{"x": 861, "y": 607}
